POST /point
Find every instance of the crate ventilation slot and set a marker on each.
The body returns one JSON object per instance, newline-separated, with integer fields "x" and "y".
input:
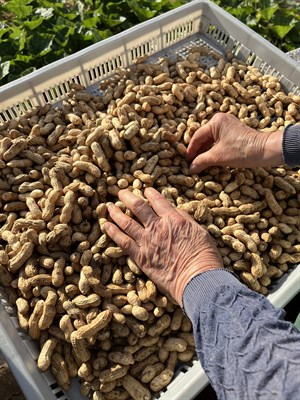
{"x": 179, "y": 33}
{"x": 57, "y": 391}
{"x": 148, "y": 47}
{"x": 16, "y": 111}
{"x": 217, "y": 35}
{"x": 58, "y": 92}
{"x": 104, "y": 69}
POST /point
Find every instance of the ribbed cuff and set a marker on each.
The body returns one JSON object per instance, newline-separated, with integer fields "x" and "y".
{"x": 202, "y": 286}
{"x": 291, "y": 145}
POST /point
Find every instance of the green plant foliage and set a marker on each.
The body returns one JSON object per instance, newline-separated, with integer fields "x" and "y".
{"x": 34, "y": 33}
{"x": 277, "y": 21}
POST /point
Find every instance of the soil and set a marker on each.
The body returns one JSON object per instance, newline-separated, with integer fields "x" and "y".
{"x": 9, "y": 387}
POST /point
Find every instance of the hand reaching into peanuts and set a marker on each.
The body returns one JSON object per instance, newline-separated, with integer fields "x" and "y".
{"x": 167, "y": 244}
{"x": 225, "y": 141}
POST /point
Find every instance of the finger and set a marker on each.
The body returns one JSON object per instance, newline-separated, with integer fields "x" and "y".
{"x": 186, "y": 215}
{"x": 138, "y": 206}
{"x": 160, "y": 205}
{"x": 129, "y": 226}
{"x": 124, "y": 241}
{"x": 201, "y": 141}
{"x": 203, "y": 161}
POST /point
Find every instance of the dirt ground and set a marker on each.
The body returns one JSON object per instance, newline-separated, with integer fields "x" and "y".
{"x": 9, "y": 387}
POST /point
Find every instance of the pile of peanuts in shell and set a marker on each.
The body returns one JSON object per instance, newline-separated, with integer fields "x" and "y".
{"x": 93, "y": 311}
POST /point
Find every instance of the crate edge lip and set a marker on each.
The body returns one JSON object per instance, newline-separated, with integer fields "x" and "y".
{"x": 290, "y": 286}
{"x": 121, "y": 37}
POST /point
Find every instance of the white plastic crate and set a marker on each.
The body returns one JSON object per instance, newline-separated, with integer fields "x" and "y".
{"x": 21, "y": 354}
{"x": 196, "y": 23}
{"x": 175, "y": 31}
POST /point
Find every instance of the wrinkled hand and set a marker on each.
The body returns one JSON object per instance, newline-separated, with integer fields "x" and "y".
{"x": 225, "y": 141}
{"x": 167, "y": 244}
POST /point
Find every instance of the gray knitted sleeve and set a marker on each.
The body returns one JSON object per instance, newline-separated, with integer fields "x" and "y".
{"x": 291, "y": 145}
{"x": 246, "y": 348}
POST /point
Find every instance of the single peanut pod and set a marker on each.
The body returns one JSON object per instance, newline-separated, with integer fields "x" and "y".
{"x": 136, "y": 327}
{"x": 148, "y": 341}
{"x": 95, "y": 282}
{"x": 100, "y": 156}
{"x": 265, "y": 280}
{"x": 120, "y": 289}
{"x": 91, "y": 329}
{"x": 230, "y": 229}
{"x": 249, "y": 191}
{"x": 24, "y": 254}
{"x": 250, "y": 280}
{"x": 59, "y": 370}
{"x": 48, "y": 209}
{"x": 34, "y": 209}
{"x": 133, "y": 267}
{"x": 175, "y": 344}
{"x": 160, "y": 325}
{"x": 188, "y": 337}
{"x": 113, "y": 373}
{"x": 248, "y": 219}
{"x": 176, "y": 319}
{"x": 238, "y": 246}
{"x": 139, "y": 366}
{"x": 114, "y": 252}
{"x": 93, "y": 300}
{"x": 242, "y": 265}
{"x": 118, "y": 357}
{"x": 23, "y": 308}
{"x": 34, "y": 331}
{"x": 40, "y": 280}
{"x": 161, "y": 380}
{"x": 272, "y": 202}
{"x": 44, "y": 359}
{"x": 80, "y": 348}
{"x": 107, "y": 387}
{"x": 144, "y": 352}
{"x": 58, "y": 272}
{"x": 151, "y": 371}
{"x": 258, "y": 268}
{"x": 66, "y": 326}
{"x": 18, "y": 145}
{"x": 49, "y": 311}
{"x": 88, "y": 167}
{"x": 140, "y": 313}
{"x": 246, "y": 239}
{"x": 284, "y": 185}
{"x": 141, "y": 289}
{"x": 67, "y": 210}
{"x": 187, "y": 355}
{"x": 136, "y": 389}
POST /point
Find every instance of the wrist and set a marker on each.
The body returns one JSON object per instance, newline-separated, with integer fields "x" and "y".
{"x": 186, "y": 279}
{"x": 273, "y": 155}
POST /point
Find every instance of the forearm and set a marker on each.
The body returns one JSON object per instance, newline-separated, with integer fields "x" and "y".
{"x": 246, "y": 348}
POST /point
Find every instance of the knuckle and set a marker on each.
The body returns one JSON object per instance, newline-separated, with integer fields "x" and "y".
{"x": 127, "y": 224}
{"x": 125, "y": 243}
{"x": 139, "y": 204}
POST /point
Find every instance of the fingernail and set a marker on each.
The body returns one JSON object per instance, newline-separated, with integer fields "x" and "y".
{"x": 193, "y": 169}
{"x": 106, "y": 226}
{"x": 109, "y": 206}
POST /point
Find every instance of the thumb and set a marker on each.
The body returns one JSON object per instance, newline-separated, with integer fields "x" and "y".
{"x": 203, "y": 161}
